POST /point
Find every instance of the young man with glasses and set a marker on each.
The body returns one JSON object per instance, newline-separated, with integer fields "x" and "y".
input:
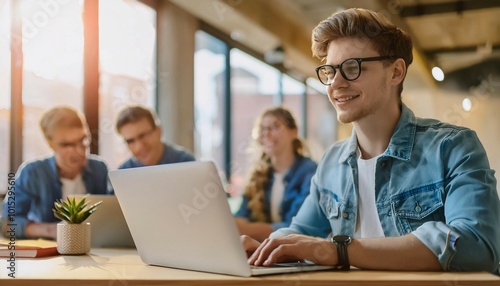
{"x": 141, "y": 131}
{"x": 39, "y": 183}
{"x": 403, "y": 193}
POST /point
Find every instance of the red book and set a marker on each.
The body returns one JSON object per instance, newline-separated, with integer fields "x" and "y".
{"x": 28, "y": 248}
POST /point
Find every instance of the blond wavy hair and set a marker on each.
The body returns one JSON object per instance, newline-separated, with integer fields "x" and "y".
{"x": 259, "y": 174}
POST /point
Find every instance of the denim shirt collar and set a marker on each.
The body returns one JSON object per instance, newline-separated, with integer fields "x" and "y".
{"x": 401, "y": 143}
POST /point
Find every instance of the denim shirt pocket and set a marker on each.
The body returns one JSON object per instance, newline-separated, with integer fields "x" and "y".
{"x": 415, "y": 207}
{"x": 329, "y": 204}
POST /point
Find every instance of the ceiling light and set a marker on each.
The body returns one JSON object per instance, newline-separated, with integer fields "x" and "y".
{"x": 437, "y": 73}
{"x": 467, "y": 104}
{"x": 238, "y": 35}
{"x": 275, "y": 56}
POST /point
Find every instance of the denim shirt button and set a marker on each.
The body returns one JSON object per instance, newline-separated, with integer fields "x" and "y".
{"x": 345, "y": 215}
{"x": 329, "y": 209}
{"x": 383, "y": 164}
{"x": 418, "y": 208}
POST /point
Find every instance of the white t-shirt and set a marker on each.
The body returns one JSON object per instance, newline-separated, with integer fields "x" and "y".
{"x": 277, "y": 192}
{"x": 368, "y": 223}
{"x": 73, "y": 187}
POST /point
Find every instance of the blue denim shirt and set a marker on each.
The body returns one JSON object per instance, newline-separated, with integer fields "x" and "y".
{"x": 37, "y": 187}
{"x": 297, "y": 182}
{"x": 171, "y": 154}
{"x": 433, "y": 180}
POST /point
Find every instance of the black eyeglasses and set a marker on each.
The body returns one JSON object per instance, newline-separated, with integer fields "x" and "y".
{"x": 350, "y": 69}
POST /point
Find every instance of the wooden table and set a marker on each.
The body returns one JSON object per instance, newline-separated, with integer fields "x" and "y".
{"x": 124, "y": 267}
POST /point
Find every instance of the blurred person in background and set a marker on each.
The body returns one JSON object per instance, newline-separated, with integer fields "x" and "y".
{"x": 140, "y": 129}
{"x": 280, "y": 179}
{"x": 71, "y": 170}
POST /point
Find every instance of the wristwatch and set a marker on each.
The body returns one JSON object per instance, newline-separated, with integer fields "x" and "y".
{"x": 342, "y": 241}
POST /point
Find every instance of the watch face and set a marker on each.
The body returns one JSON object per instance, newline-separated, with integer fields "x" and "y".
{"x": 342, "y": 239}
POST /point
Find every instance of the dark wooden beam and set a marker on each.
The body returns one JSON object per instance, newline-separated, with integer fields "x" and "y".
{"x": 91, "y": 70}
{"x": 16, "y": 87}
{"x": 462, "y": 49}
{"x": 447, "y": 7}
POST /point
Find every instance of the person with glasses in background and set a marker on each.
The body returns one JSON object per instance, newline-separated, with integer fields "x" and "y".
{"x": 141, "y": 131}
{"x": 71, "y": 170}
{"x": 402, "y": 193}
{"x": 279, "y": 181}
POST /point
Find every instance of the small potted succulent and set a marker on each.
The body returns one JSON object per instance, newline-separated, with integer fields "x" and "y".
{"x": 73, "y": 235}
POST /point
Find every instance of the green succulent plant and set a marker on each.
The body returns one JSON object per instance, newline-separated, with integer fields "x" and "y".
{"x": 74, "y": 211}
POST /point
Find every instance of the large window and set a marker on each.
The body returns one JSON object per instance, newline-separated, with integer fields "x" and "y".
{"x": 293, "y": 99}
{"x": 209, "y": 90}
{"x": 52, "y": 46}
{"x": 127, "y": 56}
{"x": 4, "y": 92}
{"x": 53, "y": 64}
{"x": 321, "y": 119}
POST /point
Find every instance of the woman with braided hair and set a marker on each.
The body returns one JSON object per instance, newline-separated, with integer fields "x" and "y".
{"x": 279, "y": 181}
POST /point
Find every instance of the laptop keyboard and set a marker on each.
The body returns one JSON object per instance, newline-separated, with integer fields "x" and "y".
{"x": 284, "y": 264}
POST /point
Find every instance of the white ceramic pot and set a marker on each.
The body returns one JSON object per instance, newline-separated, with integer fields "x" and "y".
{"x": 73, "y": 238}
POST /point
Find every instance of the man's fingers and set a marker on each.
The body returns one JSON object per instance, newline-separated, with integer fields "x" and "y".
{"x": 282, "y": 249}
{"x": 276, "y": 250}
{"x": 256, "y": 253}
{"x": 282, "y": 253}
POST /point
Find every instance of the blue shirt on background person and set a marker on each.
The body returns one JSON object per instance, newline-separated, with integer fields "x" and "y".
{"x": 37, "y": 187}
{"x": 297, "y": 182}
{"x": 171, "y": 154}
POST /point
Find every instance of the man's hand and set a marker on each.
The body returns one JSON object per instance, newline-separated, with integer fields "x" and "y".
{"x": 41, "y": 230}
{"x": 291, "y": 248}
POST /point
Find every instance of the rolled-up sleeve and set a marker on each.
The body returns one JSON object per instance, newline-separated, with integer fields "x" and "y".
{"x": 470, "y": 238}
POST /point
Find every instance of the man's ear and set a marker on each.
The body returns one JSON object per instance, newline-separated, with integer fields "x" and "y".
{"x": 398, "y": 71}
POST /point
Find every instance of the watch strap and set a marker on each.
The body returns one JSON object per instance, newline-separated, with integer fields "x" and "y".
{"x": 342, "y": 241}
{"x": 343, "y": 257}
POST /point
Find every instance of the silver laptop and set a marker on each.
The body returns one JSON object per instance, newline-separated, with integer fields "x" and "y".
{"x": 107, "y": 223}
{"x": 179, "y": 217}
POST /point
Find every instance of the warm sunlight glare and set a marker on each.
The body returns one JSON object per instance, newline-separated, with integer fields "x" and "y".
{"x": 53, "y": 40}
{"x": 4, "y": 55}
